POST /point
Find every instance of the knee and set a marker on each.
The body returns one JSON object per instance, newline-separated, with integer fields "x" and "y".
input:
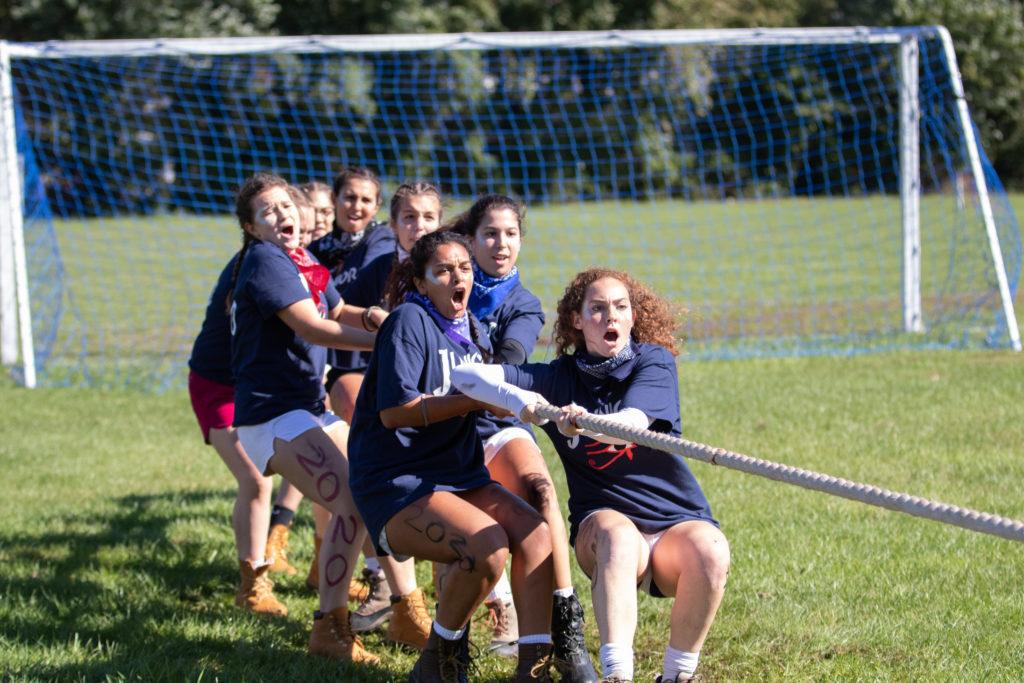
{"x": 715, "y": 562}
{"x": 487, "y": 554}
{"x": 616, "y": 546}
{"x": 256, "y": 487}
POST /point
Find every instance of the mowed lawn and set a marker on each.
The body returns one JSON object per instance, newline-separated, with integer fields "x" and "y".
{"x": 118, "y": 561}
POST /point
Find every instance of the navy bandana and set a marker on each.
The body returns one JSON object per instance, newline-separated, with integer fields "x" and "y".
{"x": 599, "y": 367}
{"x": 457, "y": 330}
{"x": 489, "y": 292}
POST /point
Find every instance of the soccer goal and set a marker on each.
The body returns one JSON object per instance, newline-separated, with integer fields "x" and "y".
{"x": 797, "y": 191}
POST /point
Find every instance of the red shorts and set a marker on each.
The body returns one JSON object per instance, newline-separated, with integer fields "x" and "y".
{"x": 213, "y": 403}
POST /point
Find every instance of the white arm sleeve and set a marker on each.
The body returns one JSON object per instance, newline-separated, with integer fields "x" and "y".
{"x": 629, "y": 417}
{"x": 487, "y": 383}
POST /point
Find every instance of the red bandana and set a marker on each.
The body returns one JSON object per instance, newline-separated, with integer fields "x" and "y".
{"x": 316, "y": 275}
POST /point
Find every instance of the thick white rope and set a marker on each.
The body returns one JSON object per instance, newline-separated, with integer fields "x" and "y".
{"x": 865, "y": 493}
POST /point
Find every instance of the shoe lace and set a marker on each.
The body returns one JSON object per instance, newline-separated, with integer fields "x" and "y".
{"x": 262, "y": 587}
{"x": 420, "y": 616}
{"x": 498, "y": 618}
{"x": 568, "y": 629}
{"x": 541, "y": 670}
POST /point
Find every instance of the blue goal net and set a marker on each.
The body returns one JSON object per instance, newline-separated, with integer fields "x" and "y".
{"x": 816, "y": 192}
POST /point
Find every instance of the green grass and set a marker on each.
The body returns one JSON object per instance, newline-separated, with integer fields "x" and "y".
{"x": 758, "y": 277}
{"x": 118, "y": 564}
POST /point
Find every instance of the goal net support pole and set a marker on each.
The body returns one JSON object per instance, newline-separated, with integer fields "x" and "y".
{"x": 865, "y": 493}
{"x": 15, "y": 308}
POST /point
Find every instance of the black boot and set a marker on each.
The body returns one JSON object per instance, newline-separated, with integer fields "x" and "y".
{"x": 570, "y": 653}
{"x": 442, "y": 661}
{"x": 534, "y": 664}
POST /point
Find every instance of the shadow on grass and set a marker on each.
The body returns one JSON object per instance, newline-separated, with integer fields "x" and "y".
{"x": 143, "y": 588}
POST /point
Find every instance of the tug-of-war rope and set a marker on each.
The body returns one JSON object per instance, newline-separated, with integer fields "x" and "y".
{"x": 865, "y": 493}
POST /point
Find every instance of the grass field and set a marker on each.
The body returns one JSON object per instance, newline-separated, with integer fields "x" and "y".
{"x": 760, "y": 278}
{"x": 117, "y": 556}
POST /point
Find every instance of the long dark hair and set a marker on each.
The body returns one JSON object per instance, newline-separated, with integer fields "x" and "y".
{"x": 468, "y": 222}
{"x": 347, "y": 173}
{"x": 253, "y": 186}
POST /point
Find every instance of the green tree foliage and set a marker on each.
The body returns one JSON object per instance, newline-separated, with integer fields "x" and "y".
{"x": 989, "y": 34}
{"x": 33, "y": 20}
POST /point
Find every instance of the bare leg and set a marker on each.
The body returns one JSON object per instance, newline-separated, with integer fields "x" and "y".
{"x": 343, "y": 395}
{"x": 316, "y": 464}
{"x": 250, "y": 518}
{"x": 614, "y": 555}
{"x": 288, "y": 496}
{"x": 519, "y": 466}
{"x": 691, "y": 561}
{"x": 444, "y": 528}
{"x": 530, "y": 543}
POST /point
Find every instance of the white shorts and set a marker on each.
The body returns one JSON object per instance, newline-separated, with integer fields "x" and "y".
{"x": 644, "y": 582}
{"x": 498, "y": 441}
{"x": 258, "y": 440}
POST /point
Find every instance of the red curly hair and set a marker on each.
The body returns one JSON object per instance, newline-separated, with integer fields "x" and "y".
{"x": 656, "y": 321}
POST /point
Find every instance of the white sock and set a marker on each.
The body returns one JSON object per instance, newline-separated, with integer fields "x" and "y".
{"x": 536, "y": 639}
{"x": 501, "y": 591}
{"x": 446, "y": 633}
{"x": 373, "y": 565}
{"x": 564, "y": 592}
{"x": 617, "y": 660}
{"x": 679, "y": 665}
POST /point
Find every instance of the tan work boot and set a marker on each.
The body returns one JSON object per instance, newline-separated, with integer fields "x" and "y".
{"x": 256, "y": 591}
{"x": 277, "y": 550}
{"x": 313, "y": 577}
{"x": 410, "y": 622}
{"x": 332, "y": 637}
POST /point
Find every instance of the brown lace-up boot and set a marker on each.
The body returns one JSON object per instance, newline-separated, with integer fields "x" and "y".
{"x": 443, "y": 661}
{"x": 256, "y": 591}
{"x": 534, "y": 664}
{"x": 410, "y": 622}
{"x": 332, "y": 638}
{"x": 277, "y": 550}
{"x": 313, "y": 577}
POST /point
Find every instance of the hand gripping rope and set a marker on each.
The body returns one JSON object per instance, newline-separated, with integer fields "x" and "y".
{"x": 865, "y": 493}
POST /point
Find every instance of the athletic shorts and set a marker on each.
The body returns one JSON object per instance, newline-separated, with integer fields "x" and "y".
{"x": 498, "y": 441}
{"x": 258, "y": 440}
{"x": 212, "y": 402}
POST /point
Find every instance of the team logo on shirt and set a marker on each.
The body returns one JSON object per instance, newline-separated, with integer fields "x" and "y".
{"x": 601, "y": 456}
{"x": 449, "y": 361}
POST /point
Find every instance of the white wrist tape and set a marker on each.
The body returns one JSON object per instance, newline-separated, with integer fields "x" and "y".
{"x": 487, "y": 383}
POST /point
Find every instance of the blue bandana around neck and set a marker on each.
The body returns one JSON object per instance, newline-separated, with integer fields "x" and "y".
{"x": 457, "y": 330}
{"x": 600, "y": 367}
{"x": 489, "y": 292}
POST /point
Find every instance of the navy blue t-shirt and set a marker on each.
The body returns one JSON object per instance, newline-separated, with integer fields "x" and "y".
{"x": 519, "y": 317}
{"x": 211, "y": 352}
{"x": 378, "y": 241}
{"x": 336, "y": 247}
{"x": 392, "y": 468}
{"x": 365, "y": 290}
{"x": 655, "y": 490}
{"x": 275, "y": 370}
